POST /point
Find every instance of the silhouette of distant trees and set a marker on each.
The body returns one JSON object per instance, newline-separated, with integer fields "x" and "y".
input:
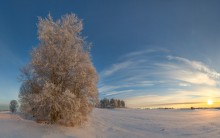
{"x": 111, "y": 103}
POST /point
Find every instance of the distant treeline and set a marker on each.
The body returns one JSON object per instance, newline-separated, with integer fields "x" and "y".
{"x": 111, "y": 103}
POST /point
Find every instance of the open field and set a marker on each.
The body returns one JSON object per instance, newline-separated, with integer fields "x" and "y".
{"x": 117, "y": 123}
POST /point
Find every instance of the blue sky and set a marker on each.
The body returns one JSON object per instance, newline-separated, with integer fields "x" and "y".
{"x": 148, "y": 52}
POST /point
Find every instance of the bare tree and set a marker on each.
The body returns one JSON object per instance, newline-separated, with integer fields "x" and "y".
{"x": 59, "y": 83}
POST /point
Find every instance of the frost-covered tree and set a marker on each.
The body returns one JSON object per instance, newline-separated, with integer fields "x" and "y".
{"x": 102, "y": 104}
{"x": 106, "y": 103}
{"x": 59, "y": 83}
{"x": 119, "y": 103}
{"x": 115, "y": 103}
{"x": 122, "y": 104}
{"x": 112, "y": 103}
{"x": 13, "y": 106}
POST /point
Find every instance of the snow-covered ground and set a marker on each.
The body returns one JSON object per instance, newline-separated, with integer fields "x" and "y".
{"x": 119, "y": 123}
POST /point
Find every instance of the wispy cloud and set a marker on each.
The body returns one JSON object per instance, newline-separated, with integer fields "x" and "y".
{"x": 184, "y": 84}
{"x": 155, "y": 72}
{"x": 197, "y": 65}
{"x": 186, "y": 73}
{"x": 116, "y": 67}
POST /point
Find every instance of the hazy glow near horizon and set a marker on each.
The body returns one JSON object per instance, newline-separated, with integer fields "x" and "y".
{"x": 209, "y": 102}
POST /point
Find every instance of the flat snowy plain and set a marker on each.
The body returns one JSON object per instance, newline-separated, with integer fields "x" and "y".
{"x": 121, "y": 123}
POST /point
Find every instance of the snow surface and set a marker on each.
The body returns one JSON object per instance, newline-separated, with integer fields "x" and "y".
{"x": 121, "y": 123}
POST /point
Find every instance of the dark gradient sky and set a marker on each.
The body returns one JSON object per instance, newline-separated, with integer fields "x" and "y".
{"x": 138, "y": 46}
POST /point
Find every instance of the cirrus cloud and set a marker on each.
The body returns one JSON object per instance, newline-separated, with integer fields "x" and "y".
{"x": 154, "y": 72}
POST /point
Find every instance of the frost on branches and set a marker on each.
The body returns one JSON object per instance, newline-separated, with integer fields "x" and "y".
{"x": 59, "y": 83}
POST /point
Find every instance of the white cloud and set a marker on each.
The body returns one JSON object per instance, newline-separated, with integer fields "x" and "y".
{"x": 186, "y": 74}
{"x": 119, "y": 92}
{"x": 116, "y": 67}
{"x": 194, "y": 78}
{"x": 184, "y": 84}
{"x": 197, "y": 65}
{"x": 138, "y": 53}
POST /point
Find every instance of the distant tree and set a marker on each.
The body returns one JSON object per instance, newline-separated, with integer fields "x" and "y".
{"x": 113, "y": 103}
{"x": 119, "y": 103}
{"x": 116, "y": 103}
{"x": 122, "y": 104}
{"x": 106, "y": 103}
{"x": 102, "y": 105}
{"x": 13, "y": 106}
{"x": 59, "y": 83}
{"x": 192, "y": 108}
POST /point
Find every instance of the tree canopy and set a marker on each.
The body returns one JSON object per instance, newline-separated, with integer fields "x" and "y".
{"x": 59, "y": 83}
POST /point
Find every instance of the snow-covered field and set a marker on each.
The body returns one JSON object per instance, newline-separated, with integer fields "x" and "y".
{"x": 121, "y": 123}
